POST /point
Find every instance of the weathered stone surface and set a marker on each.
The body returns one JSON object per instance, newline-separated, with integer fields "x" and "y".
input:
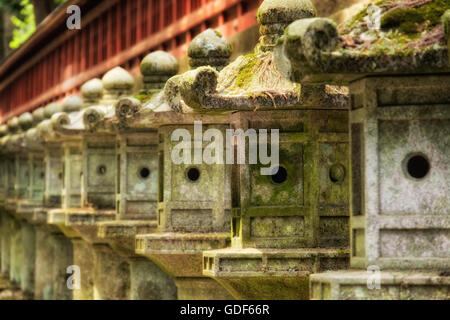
{"x": 353, "y": 285}
{"x": 84, "y": 258}
{"x": 149, "y": 282}
{"x": 270, "y": 273}
{"x": 28, "y": 267}
{"x": 108, "y": 265}
{"x": 398, "y": 121}
{"x": 63, "y": 258}
{"x": 43, "y": 287}
{"x": 415, "y": 44}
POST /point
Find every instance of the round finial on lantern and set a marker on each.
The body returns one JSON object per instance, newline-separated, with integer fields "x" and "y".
{"x": 158, "y": 67}
{"x": 92, "y": 91}
{"x": 117, "y": 82}
{"x": 209, "y": 48}
{"x": 72, "y": 104}
{"x": 38, "y": 115}
{"x": 51, "y": 109}
{"x": 275, "y": 15}
{"x": 25, "y": 121}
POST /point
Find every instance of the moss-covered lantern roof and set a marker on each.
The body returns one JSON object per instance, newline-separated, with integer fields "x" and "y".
{"x": 386, "y": 37}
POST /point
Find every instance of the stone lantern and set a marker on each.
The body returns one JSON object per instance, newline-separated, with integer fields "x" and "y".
{"x": 18, "y": 126}
{"x": 193, "y": 199}
{"x": 289, "y": 214}
{"x": 93, "y": 165}
{"x": 400, "y": 137}
{"x": 137, "y": 184}
{"x": 34, "y": 198}
{"x": 53, "y": 251}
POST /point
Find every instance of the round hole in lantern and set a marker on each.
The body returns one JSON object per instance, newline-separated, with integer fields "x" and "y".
{"x": 337, "y": 173}
{"x": 101, "y": 170}
{"x": 279, "y": 175}
{"x": 193, "y": 174}
{"x": 417, "y": 166}
{"x": 144, "y": 173}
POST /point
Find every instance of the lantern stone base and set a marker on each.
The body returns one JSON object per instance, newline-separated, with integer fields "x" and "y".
{"x": 25, "y": 210}
{"x": 180, "y": 255}
{"x": 111, "y": 274}
{"x": 28, "y": 268}
{"x": 11, "y": 206}
{"x": 104, "y": 273}
{"x": 147, "y": 280}
{"x": 121, "y": 234}
{"x": 85, "y": 223}
{"x": 393, "y": 285}
{"x": 270, "y": 274}
{"x": 16, "y": 251}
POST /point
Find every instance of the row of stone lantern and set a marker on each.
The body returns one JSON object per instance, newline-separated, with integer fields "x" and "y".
{"x": 90, "y": 185}
{"x": 139, "y": 226}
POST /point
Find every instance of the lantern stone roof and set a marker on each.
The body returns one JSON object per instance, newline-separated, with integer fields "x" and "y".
{"x": 83, "y": 116}
{"x": 411, "y": 38}
{"x": 209, "y": 48}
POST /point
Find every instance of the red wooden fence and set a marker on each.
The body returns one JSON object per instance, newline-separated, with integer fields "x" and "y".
{"x": 114, "y": 32}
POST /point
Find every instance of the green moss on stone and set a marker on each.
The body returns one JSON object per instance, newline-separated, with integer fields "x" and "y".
{"x": 414, "y": 20}
{"x": 246, "y": 74}
{"x": 144, "y": 95}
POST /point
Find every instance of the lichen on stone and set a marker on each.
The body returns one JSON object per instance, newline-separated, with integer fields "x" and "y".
{"x": 252, "y": 74}
{"x": 405, "y": 25}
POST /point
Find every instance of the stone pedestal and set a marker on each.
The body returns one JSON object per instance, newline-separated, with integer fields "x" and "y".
{"x": 28, "y": 267}
{"x": 63, "y": 258}
{"x": 180, "y": 256}
{"x": 25, "y": 213}
{"x": 16, "y": 252}
{"x": 83, "y": 257}
{"x": 393, "y": 285}
{"x": 111, "y": 274}
{"x": 283, "y": 274}
{"x": 43, "y": 284}
{"x": 147, "y": 280}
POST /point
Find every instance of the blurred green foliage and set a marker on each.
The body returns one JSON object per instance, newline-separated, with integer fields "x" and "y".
{"x": 23, "y": 19}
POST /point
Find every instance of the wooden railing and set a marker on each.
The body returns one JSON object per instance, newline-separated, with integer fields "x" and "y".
{"x": 57, "y": 61}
